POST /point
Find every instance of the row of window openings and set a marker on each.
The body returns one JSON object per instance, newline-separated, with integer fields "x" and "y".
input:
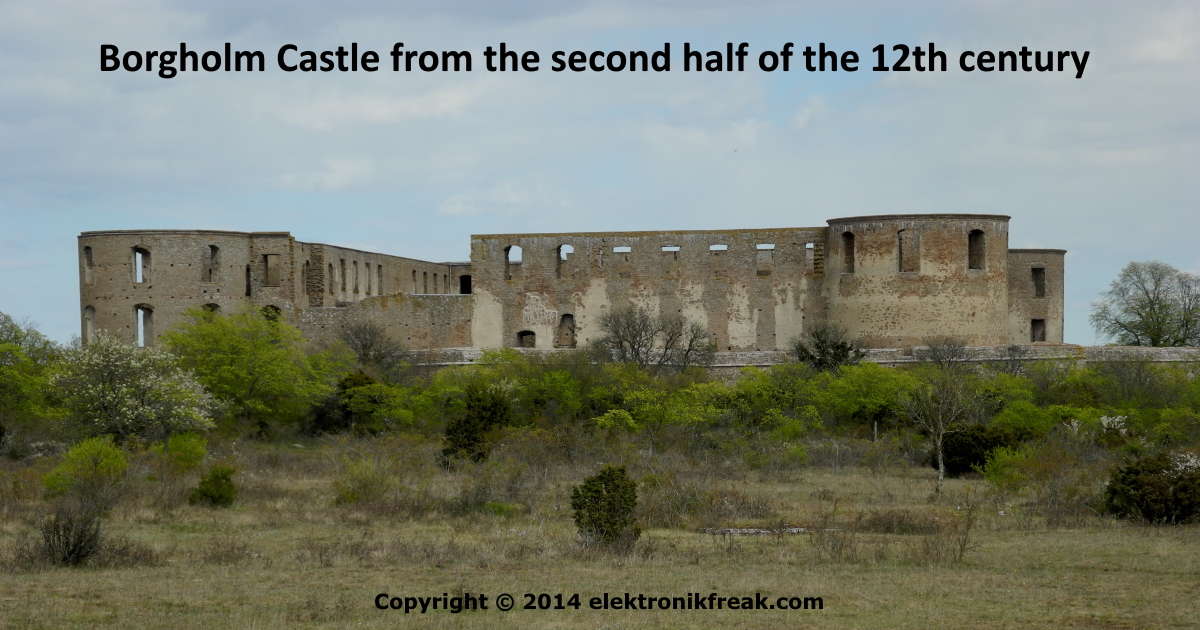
{"x": 143, "y": 316}
{"x": 564, "y": 336}
{"x": 908, "y": 247}
{"x": 513, "y": 254}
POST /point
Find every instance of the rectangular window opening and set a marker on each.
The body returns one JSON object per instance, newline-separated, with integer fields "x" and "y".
{"x": 622, "y": 249}
{"x": 1037, "y": 330}
{"x": 1039, "y": 281}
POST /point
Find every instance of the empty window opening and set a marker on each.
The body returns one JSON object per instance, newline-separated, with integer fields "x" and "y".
{"x": 215, "y": 309}
{"x": 445, "y": 283}
{"x": 565, "y": 336}
{"x": 909, "y": 250}
{"x": 332, "y": 286}
{"x": 367, "y": 269}
{"x": 526, "y": 339}
{"x": 271, "y": 270}
{"x": 212, "y": 264}
{"x": 145, "y": 325}
{"x": 414, "y": 281}
{"x": 622, "y": 249}
{"x": 342, "y": 274}
{"x": 89, "y": 324}
{"x": 354, "y": 267}
{"x": 304, "y": 276}
{"x": 247, "y": 280}
{"x": 424, "y": 282}
{"x": 512, "y": 261}
{"x": 1037, "y": 330}
{"x": 847, "y": 252}
{"x": 378, "y": 279}
{"x": 464, "y": 284}
{"x": 271, "y": 313}
{"x": 1039, "y": 281}
{"x": 718, "y": 248}
{"x": 562, "y": 266}
{"x": 141, "y": 265}
{"x": 435, "y": 283}
{"x": 976, "y": 250}
{"x": 89, "y": 277}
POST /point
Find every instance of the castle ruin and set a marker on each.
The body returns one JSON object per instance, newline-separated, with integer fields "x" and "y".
{"x": 890, "y": 281}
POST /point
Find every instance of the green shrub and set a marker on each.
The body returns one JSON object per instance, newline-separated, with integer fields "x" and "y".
{"x": 365, "y": 479}
{"x": 216, "y": 488}
{"x": 967, "y": 449}
{"x": 183, "y": 452}
{"x": 487, "y": 407}
{"x": 91, "y": 471}
{"x": 1158, "y": 488}
{"x": 618, "y": 420}
{"x": 604, "y": 506}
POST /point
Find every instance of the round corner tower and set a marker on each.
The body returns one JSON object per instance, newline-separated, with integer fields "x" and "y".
{"x": 896, "y": 280}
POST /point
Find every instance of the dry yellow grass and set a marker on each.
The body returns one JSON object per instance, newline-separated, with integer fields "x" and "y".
{"x": 286, "y": 555}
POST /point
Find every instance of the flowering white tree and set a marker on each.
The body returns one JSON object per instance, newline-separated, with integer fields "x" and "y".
{"x": 111, "y": 388}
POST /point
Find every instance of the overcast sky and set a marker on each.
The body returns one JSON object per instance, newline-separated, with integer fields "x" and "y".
{"x": 1106, "y": 166}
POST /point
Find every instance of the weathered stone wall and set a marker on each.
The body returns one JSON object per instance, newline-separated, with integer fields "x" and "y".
{"x": 748, "y": 288}
{"x": 1034, "y": 295}
{"x": 420, "y": 322}
{"x": 912, "y": 278}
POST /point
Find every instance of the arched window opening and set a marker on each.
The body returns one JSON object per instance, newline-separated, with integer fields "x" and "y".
{"x": 141, "y": 265}
{"x": 89, "y": 324}
{"x": 565, "y": 336}
{"x": 847, "y": 252}
{"x": 562, "y": 268}
{"x": 445, "y": 283}
{"x": 909, "y": 254}
{"x": 435, "y": 283}
{"x": 145, "y": 325}
{"x": 247, "y": 280}
{"x": 304, "y": 275}
{"x": 512, "y": 261}
{"x": 211, "y": 272}
{"x": 414, "y": 281}
{"x": 424, "y": 282}
{"x": 355, "y": 267}
{"x": 342, "y": 274}
{"x": 367, "y": 270}
{"x": 526, "y": 339}
{"x": 976, "y": 250}
{"x": 89, "y": 277}
{"x": 378, "y": 279}
{"x": 330, "y": 280}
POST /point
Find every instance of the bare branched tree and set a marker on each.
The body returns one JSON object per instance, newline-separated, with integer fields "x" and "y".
{"x": 377, "y": 354}
{"x": 945, "y": 353}
{"x": 656, "y": 343}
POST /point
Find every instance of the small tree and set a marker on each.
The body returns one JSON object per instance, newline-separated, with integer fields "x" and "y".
{"x": 604, "y": 506}
{"x": 827, "y": 349}
{"x": 376, "y": 353}
{"x": 1150, "y": 304}
{"x": 652, "y": 342}
{"x": 1159, "y": 488}
{"x": 112, "y": 388}
{"x": 487, "y": 407}
{"x": 940, "y": 405}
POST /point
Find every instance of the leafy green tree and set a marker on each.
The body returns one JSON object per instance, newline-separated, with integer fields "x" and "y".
{"x": 109, "y": 387}
{"x": 1150, "y": 304}
{"x": 256, "y": 364}
{"x": 26, "y": 357}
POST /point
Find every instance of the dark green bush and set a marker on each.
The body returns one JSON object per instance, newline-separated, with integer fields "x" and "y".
{"x": 1158, "y": 488}
{"x": 216, "y": 488}
{"x": 487, "y": 407}
{"x": 967, "y": 448}
{"x": 604, "y": 506}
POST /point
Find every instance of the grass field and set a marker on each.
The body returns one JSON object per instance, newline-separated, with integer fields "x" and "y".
{"x": 880, "y": 550}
